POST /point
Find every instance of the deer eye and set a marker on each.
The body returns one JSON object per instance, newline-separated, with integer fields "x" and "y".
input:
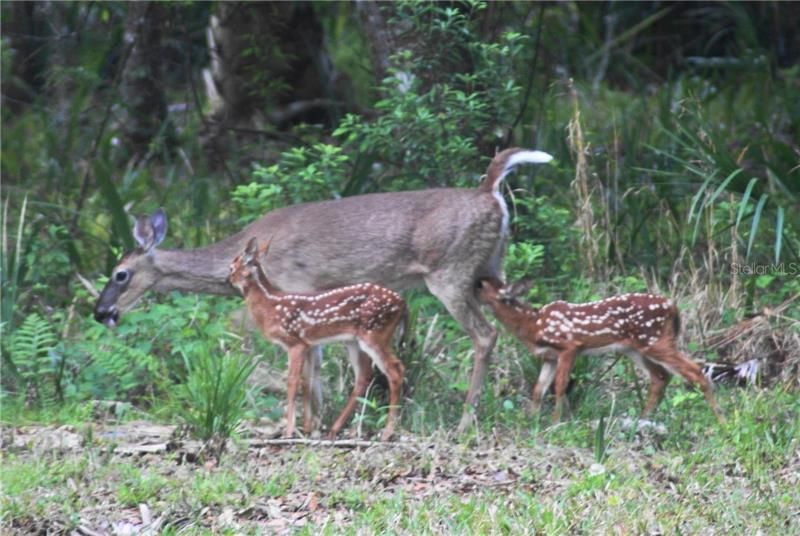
{"x": 122, "y": 276}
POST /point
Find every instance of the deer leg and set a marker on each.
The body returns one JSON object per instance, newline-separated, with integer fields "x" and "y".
{"x": 546, "y": 376}
{"x": 296, "y": 357}
{"x": 308, "y": 425}
{"x": 362, "y": 367}
{"x": 460, "y": 301}
{"x": 393, "y": 368}
{"x": 676, "y": 362}
{"x": 566, "y": 360}
{"x": 312, "y": 387}
{"x": 659, "y": 378}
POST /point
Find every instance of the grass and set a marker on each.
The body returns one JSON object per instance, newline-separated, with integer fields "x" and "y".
{"x": 527, "y": 477}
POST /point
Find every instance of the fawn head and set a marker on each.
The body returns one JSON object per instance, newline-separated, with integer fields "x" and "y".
{"x": 492, "y": 290}
{"x": 134, "y": 274}
{"x": 246, "y": 265}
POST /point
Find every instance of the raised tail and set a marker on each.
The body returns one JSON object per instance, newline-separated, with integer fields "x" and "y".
{"x": 504, "y": 162}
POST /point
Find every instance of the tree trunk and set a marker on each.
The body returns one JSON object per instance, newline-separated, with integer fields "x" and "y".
{"x": 268, "y": 69}
{"x": 22, "y": 23}
{"x": 142, "y": 83}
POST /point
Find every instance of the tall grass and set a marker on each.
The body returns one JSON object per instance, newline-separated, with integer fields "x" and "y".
{"x": 12, "y": 273}
{"x": 212, "y": 400}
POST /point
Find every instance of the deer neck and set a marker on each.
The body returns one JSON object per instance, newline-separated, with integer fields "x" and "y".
{"x": 203, "y": 270}
{"x": 260, "y": 284}
{"x": 516, "y": 317}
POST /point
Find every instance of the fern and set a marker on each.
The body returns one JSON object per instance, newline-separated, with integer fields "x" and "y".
{"x": 33, "y": 348}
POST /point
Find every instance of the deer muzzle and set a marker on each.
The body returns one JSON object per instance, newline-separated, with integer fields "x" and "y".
{"x": 107, "y": 315}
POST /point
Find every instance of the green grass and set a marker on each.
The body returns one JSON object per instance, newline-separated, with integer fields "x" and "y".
{"x": 526, "y": 477}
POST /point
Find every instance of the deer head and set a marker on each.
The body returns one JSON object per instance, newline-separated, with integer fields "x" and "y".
{"x": 491, "y": 289}
{"x": 131, "y": 277}
{"x": 244, "y": 266}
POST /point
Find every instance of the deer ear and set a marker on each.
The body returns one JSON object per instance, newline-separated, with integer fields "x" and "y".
{"x": 264, "y": 248}
{"x": 149, "y": 231}
{"x": 490, "y": 283}
{"x": 520, "y": 288}
{"x": 251, "y": 251}
{"x": 159, "y": 222}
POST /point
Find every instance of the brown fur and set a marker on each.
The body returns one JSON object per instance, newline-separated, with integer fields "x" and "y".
{"x": 445, "y": 239}
{"x": 643, "y": 326}
{"x": 366, "y": 313}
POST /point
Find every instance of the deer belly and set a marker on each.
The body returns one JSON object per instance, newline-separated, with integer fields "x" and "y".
{"x": 342, "y": 337}
{"x": 606, "y": 349}
{"x": 545, "y": 352}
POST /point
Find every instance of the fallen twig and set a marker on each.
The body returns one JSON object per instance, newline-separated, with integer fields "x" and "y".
{"x": 337, "y": 443}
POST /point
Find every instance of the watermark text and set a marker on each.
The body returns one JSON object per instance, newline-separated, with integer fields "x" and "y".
{"x": 776, "y": 268}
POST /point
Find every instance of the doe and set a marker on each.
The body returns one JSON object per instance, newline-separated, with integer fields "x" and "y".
{"x": 642, "y": 326}
{"x": 365, "y": 313}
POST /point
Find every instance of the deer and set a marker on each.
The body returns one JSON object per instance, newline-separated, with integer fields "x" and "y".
{"x": 443, "y": 238}
{"x": 643, "y": 326}
{"x": 364, "y": 313}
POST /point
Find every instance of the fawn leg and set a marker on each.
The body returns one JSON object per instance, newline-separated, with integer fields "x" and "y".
{"x": 297, "y": 355}
{"x": 659, "y": 378}
{"x": 566, "y": 360}
{"x": 546, "y": 376}
{"x": 393, "y": 368}
{"x": 675, "y": 361}
{"x": 362, "y": 367}
{"x": 312, "y": 385}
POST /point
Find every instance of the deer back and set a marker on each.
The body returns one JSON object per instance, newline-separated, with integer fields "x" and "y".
{"x": 635, "y": 320}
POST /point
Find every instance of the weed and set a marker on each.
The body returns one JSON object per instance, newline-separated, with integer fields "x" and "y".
{"x": 212, "y": 400}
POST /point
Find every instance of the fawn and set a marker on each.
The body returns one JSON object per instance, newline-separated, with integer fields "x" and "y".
{"x": 642, "y": 326}
{"x": 365, "y": 313}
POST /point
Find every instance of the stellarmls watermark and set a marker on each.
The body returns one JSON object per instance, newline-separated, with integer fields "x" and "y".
{"x": 777, "y": 268}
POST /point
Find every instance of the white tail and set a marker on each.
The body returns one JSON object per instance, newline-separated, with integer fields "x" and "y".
{"x": 642, "y": 326}
{"x": 365, "y": 313}
{"x": 444, "y": 238}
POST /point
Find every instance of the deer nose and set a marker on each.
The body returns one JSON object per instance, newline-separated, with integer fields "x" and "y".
{"x": 107, "y": 315}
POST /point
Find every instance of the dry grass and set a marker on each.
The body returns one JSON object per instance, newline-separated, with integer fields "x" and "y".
{"x": 67, "y": 480}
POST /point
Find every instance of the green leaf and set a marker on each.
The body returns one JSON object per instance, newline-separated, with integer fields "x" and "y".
{"x": 756, "y": 220}
{"x": 119, "y": 218}
{"x": 745, "y": 199}
{"x": 778, "y": 234}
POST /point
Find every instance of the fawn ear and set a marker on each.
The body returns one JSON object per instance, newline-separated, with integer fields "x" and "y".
{"x": 490, "y": 283}
{"x": 520, "y": 288}
{"x": 251, "y": 251}
{"x": 149, "y": 231}
{"x": 264, "y": 248}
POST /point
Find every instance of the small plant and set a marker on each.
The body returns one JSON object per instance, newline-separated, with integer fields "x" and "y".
{"x": 600, "y": 440}
{"x": 212, "y": 400}
{"x": 40, "y": 367}
{"x": 12, "y": 272}
{"x": 302, "y": 174}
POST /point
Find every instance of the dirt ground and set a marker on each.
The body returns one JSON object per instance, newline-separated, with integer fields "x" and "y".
{"x": 141, "y": 478}
{"x": 319, "y": 476}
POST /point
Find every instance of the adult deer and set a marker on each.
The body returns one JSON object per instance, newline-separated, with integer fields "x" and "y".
{"x": 643, "y": 326}
{"x": 445, "y": 238}
{"x": 366, "y": 314}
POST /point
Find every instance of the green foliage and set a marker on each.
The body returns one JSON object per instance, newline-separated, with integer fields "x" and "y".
{"x": 212, "y": 399}
{"x": 302, "y": 174}
{"x": 600, "y": 441}
{"x": 523, "y": 259}
{"x": 12, "y": 272}
{"x": 437, "y": 106}
{"x": 39, "y": 365}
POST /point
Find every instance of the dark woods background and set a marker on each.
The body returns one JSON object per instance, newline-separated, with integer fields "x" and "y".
{"x": 674, "y": 125}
